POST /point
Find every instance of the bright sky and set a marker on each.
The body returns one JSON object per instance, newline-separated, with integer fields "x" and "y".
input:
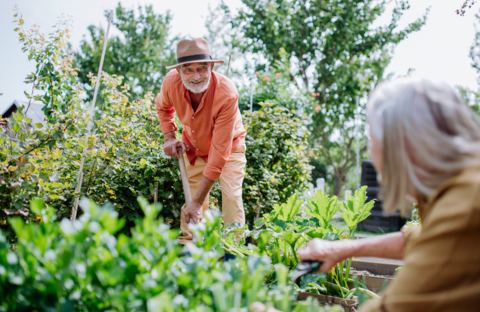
{"x": 440, "y": 50}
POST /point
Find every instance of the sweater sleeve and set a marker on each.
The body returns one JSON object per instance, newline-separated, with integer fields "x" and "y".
{"x": 165, "y": 110}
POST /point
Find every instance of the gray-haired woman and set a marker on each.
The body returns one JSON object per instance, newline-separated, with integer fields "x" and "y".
{"x": 425, "y": 144}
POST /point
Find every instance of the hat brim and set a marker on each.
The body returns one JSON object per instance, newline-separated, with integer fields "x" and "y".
{"x": 195, "y": 61}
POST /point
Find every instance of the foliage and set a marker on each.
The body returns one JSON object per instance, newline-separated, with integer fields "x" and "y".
{"x": 466, "y": 5}
{"x": 470, "y": 97}
{"x": 274, "y": 86}
{"x": 280, "y": 233}
{"x": 127, "y": 160}
{"x": 53, "y": 80}
{"x": 139, "y": 53}
{"x": 30, "y": 164}
{"x": 124, "y": 159}
{"x": 87, "y": 265}
{"x": 277, "y": 164}
{"x": 356, "y": 209}
{"x": 335, "y": 52}
{"x": 319, "y": 169}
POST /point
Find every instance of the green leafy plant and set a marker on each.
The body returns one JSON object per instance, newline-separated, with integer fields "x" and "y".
{"x": 89, "y": 264}
{"x": 280, "y": 233}
{"x": 356, "y": 209}
{"x": 124, "y": 158}
{"x": 277, "y": 162}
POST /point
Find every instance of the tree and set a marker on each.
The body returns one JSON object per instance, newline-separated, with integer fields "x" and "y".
{"x": 139, "y": 53}
{"x": 472, "y": 97}
{"x": 467, "y": 4}
{"x": 336, "y": 52}
{"x": 53, "y": 81}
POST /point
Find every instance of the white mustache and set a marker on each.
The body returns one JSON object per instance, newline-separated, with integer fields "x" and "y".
{"x": 196, "y": 85}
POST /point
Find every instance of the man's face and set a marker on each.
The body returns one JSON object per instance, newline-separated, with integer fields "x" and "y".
{"x": 196, "y": 76}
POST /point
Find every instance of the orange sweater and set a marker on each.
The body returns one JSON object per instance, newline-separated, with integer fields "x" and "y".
{"x": 214, "y": 130}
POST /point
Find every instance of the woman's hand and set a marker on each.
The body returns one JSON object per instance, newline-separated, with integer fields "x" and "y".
{"x": 332, "y": 252}
{"x": 328, "y": 252}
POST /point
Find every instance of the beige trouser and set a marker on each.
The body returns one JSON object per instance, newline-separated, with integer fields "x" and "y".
{"x": 231, "y": 180}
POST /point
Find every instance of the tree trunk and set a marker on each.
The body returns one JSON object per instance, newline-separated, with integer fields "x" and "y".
{"x": 339, "y": 180}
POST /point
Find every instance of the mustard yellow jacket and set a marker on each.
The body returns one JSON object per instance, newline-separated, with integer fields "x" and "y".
{"x": 442, "y": 256}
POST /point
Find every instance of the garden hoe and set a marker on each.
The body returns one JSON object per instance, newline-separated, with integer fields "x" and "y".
{"x": 187, "y": 193}
{"x": 186, "y": 186}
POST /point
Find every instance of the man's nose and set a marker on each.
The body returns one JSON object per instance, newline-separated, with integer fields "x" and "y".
{"x": 197, "y": 75}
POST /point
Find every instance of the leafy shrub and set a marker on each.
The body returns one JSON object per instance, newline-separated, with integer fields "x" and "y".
{"x": 277, "y": 162}
{"x": 124, "y": 158}
{"x": 280, "y": 233}
{"x": 87, "y": 265}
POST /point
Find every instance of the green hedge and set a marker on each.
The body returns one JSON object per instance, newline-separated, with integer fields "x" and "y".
{"x": 124, "y": 159}
{"x": 277, "y": 161}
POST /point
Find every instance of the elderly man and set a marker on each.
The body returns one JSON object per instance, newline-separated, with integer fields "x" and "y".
{"x": 213, "y": 137}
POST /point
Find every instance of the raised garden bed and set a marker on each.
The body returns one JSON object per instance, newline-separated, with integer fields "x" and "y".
{"x": 346, "y": 304}
{"x": 375, "y": 273}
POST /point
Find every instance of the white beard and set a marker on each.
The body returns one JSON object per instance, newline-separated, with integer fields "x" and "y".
{"x": 196, "y": 87}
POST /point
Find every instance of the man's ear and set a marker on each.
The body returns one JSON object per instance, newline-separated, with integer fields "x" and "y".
{"x": 178, "y": 69}
{"x": 211, "y": 66}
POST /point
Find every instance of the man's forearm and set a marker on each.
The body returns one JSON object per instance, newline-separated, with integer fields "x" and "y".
{"x": 172, "y": 135}
{"x": 383, "y": 246}
{"x": 205, "y": 185}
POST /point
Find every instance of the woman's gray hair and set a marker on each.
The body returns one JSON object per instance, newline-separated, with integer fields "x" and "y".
{"x": 428, "y": 135}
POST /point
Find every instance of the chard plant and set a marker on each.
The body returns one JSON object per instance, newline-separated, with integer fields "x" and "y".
{"x": 280, "y": 233}
{"x": 354, "y": 210}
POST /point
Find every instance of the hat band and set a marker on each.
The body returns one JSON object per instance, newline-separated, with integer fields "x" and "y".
{"x": 195, "y": 57}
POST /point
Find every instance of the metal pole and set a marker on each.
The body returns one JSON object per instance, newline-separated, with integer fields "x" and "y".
{"x": 90, "y": 121}
{"x": 357, "y": 147}
{"x": 252, "y": 84}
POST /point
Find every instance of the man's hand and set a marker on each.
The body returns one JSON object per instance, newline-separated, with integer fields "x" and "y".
{"x": 174, "y": 148}
{"x": 193, "y": 212}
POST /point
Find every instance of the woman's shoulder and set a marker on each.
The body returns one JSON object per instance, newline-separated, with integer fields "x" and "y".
{"x": 465, "y": 186}
{"x": 459, "y": 199}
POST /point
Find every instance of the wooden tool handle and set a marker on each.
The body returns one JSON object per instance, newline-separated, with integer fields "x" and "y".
{"x": 186, "y": 186}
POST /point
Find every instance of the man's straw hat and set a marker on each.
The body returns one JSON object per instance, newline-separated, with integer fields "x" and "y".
{"x": 193, "y": 51}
